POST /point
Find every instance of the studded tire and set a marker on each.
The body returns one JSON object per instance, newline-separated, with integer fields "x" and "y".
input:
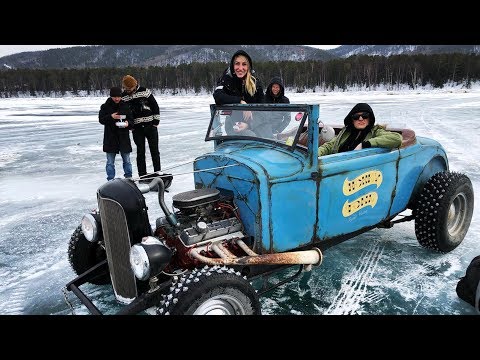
{"x": 444, "y": 211}
{"x": 211, "y": 291}
{"x": 83, "y": 254}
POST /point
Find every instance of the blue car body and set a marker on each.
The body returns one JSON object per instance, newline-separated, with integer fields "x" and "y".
{"x": 289, "y": 198}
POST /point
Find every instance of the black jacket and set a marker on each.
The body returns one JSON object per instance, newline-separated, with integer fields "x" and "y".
{"x": 115, "y": 139}
{"x": 144, "y": 107}
{"x": 230, "y": 89}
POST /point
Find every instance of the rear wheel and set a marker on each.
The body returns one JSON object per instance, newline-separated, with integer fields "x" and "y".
{"x": 444, "y": 211}
{"x": 211, "y": 291}
{"x": 83, "y": 254}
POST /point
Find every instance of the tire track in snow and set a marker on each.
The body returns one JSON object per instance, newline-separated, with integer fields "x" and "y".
{"x": 354, "y": 288}
{"x": 13, "y": 304}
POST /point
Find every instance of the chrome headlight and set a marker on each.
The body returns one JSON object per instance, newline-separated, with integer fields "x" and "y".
{"x": 149, "y": 257}
{"x": 90, "y": 228}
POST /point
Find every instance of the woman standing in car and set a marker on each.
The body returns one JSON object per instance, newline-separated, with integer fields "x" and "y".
{"x": 239, "y": 85}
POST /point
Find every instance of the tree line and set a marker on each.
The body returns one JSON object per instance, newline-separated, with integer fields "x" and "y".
{"x": 361, "y": 71}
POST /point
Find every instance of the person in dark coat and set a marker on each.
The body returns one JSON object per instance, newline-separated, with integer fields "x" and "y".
{"x": 275, "y": 94}
{"x": 117, "y": 120}
{"x": 146, "y": 117}
{"x": 239, "y": 85}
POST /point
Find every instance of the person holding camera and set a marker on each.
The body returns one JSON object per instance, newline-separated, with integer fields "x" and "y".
{"x": 146, "y": 118}
{"x": 117, "y": 119}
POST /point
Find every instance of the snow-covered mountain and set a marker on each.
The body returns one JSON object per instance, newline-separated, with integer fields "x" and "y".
{"x": 155, "y": 55}
{"x": 345, "y": 51}
{"x": 78, "y": 57}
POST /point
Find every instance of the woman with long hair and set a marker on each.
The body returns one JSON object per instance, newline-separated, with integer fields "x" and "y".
{"x": 239, "y": 85}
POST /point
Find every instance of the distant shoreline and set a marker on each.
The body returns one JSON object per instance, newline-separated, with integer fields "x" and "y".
{"x": 448, "y": 88}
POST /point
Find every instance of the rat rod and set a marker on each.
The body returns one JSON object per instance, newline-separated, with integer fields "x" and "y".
{"x": 262, "y": 201}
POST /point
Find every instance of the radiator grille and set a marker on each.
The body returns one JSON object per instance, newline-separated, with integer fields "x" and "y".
{"x": 117, "y": 246}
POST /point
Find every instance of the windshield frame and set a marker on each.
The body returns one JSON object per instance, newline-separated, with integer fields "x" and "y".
{"x": 291, "y": 108}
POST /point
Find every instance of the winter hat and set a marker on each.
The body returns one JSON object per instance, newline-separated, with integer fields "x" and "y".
{"x": 360, "y": 107}
{"x": 243, "y": 53}
{"x": 129, "y": 82}
{"x": 115, "y": 91}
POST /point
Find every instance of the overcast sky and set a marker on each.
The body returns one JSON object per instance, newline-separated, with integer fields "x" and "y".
{"x": 13, "y": 49}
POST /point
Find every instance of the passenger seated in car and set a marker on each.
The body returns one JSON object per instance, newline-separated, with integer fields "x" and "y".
{"x": 360, "y": 132}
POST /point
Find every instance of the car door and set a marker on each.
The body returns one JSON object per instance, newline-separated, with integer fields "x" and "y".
{"x": 355, "y": 190}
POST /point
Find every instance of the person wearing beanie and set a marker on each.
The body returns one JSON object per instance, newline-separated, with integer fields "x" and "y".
{"x": 239, "y": 85}
{"x": 129, "y": 82}
{"x": 146, "y": 118}
{"x": 117, "y": 120}
{"x": 275, "y": 94}
{"x": 360, "y": 132}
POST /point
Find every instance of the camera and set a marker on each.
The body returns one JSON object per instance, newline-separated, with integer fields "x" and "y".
{"x": 121, "y": 124}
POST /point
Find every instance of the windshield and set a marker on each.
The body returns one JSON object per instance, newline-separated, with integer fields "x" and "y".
{"x": 281, "y": 123}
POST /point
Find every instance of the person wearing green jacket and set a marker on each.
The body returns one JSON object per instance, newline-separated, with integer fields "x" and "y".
{"x": 360, "y": 132}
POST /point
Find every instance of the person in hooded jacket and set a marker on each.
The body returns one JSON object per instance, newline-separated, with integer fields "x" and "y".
{"x": 275, "y": 94}
{"x": 116, "y": 133}
{"x": 239, "y": 85}
{"x": 360, "y": 132}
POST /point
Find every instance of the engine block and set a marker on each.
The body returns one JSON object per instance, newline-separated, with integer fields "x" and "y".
{"x": 202, "y": 231}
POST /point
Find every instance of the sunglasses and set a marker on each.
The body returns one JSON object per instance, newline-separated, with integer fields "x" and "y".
{"x": 364, "y": 115}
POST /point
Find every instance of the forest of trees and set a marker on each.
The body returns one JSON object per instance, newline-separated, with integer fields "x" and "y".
{"x": 356, "y": 71}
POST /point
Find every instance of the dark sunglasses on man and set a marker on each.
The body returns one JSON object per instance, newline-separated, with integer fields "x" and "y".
{"x": 364, "y": 115}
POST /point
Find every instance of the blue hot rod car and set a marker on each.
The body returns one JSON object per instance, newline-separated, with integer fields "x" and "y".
{"x": 263, "y": 201}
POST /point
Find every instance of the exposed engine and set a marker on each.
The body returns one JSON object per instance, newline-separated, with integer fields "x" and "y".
{"x": 202, "y": 215}
{"x": 204, "y": 230}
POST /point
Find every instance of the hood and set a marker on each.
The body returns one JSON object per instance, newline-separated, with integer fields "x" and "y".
{"x": 243, "y": 53}
{"x": 359, "y": 108}
{"x": 276, "y": 80}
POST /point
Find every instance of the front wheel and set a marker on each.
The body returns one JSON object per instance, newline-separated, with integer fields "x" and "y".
{"x": 83, "y": 254}
{"x": 211, "y": 291}
{"x": 444, "y": 211}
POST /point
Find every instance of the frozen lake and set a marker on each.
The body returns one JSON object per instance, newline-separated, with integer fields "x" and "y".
{"x": 51, "y": 164}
